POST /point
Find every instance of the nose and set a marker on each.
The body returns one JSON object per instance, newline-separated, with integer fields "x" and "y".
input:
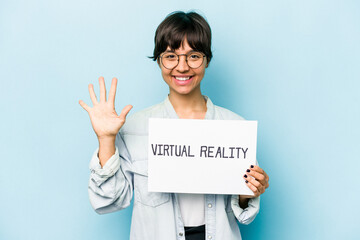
{"x": 182, "y": 65}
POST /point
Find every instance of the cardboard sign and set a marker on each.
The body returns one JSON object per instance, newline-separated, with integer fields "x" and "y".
{"x": 200, "y": 156}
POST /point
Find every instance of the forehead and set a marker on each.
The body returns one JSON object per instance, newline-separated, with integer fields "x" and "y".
{"x": 184, "y": 47}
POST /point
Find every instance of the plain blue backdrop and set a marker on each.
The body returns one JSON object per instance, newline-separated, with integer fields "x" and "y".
{"x": 292, "y": 65}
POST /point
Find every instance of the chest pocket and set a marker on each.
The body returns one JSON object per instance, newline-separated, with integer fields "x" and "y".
{"x": 143, "y": 196}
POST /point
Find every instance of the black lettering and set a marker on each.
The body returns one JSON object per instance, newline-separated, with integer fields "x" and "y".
{"x": 218, "y": 152}
{"x": 223, "y": 153}
{"x": 210, "y": 152}
{"x": 231, "y": 152}
{"x": 244, "y": 152}
{"x": 190, "y": 152}
{"x": 160, "y": 146}
{"x": 177, "y": 150}
{"x": 171, "y": 149}
{"x": 203, "y": 150}
{"x": 184, "y": 151}
{"x": 166, "y": 149}
{"x": 238, "y": 152}
{"x": 154, "y": 149}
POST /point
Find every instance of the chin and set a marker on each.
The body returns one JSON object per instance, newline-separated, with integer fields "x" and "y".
{"x": 183, "y": 91}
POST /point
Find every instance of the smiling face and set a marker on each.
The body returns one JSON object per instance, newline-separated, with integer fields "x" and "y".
{"x": 182, "y": 79}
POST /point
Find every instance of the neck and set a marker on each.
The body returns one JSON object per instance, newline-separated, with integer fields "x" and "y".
{"x": 190, "y": 106}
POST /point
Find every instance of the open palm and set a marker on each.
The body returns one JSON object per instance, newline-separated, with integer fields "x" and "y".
{"x": 104, "y": 119}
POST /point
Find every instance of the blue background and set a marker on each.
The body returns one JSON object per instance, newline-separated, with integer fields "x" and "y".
{"x": 292, "y": 65}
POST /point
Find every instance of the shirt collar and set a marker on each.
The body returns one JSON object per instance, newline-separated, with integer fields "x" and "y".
{"x": 210, "y": 112}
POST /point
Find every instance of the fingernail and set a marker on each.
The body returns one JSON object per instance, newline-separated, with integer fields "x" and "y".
{"x": 247, "y": 170}
{"x": 246, "y": 181}
{"x": 252, "y": 166}
{"x": 245, "y": 176}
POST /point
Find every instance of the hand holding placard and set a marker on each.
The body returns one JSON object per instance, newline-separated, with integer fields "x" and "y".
{"x": 257, "y": 180}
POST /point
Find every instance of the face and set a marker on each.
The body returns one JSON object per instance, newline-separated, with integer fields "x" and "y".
{"x": 183, "y": 79}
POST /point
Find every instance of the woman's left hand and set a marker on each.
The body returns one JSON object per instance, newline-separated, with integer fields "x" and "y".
{"x": 257, "y": 180}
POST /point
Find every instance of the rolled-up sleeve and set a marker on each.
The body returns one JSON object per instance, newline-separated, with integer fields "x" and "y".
{"x": 111, "y": 186}
{"x": 247, "y": 215}
{"x": 100, "y": 174}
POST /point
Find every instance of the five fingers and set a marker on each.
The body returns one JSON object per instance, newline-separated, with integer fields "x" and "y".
{"x": 111, "y": 99}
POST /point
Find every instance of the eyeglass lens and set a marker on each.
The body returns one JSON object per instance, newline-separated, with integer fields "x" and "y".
{"x": 171, "y": 60}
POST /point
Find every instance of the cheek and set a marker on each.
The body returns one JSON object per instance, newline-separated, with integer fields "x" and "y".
{"x": 165, "y": 73}
{"x": 200, "y": 72}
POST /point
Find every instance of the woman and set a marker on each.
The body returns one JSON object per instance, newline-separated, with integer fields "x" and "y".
{"x": 119, "y": 165}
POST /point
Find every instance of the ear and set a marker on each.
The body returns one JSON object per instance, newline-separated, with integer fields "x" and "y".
{"x": 158, "y": 62}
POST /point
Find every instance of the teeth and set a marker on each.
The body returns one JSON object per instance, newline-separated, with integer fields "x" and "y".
{"x": 182, "y": 78}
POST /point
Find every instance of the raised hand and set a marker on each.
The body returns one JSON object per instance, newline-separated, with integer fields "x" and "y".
{"x": 104, "y": 119}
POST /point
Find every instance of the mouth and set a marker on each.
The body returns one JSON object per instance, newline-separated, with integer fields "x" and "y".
{"x": 183, "y": 78}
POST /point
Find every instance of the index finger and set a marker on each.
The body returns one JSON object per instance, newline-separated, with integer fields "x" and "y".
{"x": 259, "y": 170}
{"x": 92, "y": 94}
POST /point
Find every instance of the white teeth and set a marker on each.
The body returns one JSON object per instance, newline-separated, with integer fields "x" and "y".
{"x": 182, "y": 78}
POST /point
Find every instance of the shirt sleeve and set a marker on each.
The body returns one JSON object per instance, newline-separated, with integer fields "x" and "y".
{"x": 111, "y": 186}
{"x": 100, "y": 174}
{"x": 247, "y": 215}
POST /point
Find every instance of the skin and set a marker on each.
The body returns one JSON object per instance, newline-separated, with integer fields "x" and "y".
{"x": 104, "y": 119}
{"x": 257, "y": 180}
{"x": 187, "y": 101}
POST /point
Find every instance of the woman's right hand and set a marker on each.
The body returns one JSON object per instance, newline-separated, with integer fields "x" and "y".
{"x": 104, "y": 119}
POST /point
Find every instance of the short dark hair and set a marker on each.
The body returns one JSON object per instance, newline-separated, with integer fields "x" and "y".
{"x": 180, "y": 25}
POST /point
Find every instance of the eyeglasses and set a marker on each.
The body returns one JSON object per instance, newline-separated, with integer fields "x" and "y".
{"x": 170, "y": 59}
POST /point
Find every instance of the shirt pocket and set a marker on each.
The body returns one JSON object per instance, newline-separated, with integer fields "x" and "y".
{"x": 143, "y": 196}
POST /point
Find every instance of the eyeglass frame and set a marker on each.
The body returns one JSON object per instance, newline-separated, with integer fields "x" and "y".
{"x": 178, "y": 59}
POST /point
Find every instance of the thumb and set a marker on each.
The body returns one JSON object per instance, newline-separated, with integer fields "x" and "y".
{"x": 125, "y": 112}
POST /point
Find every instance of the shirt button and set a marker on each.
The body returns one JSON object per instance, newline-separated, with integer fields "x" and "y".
{"x": 209, "y": 205}
{"x": 209, "y": 237}
{"x": 181, "y": 234}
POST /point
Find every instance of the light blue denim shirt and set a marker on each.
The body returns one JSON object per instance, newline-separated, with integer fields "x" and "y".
{"x": 156, "y": 216}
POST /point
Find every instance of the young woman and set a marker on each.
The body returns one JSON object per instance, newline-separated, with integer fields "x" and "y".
{"x": 119, "y": 165}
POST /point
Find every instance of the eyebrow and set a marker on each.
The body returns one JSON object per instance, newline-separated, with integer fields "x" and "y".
{"x": 171, "y": 51}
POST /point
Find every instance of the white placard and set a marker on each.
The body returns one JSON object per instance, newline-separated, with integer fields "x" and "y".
{"x": 200, "y": 156}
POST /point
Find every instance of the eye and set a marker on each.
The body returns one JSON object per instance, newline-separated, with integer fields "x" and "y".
{"x": 170, "y": 56}
{"x": 195, "y": 56}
